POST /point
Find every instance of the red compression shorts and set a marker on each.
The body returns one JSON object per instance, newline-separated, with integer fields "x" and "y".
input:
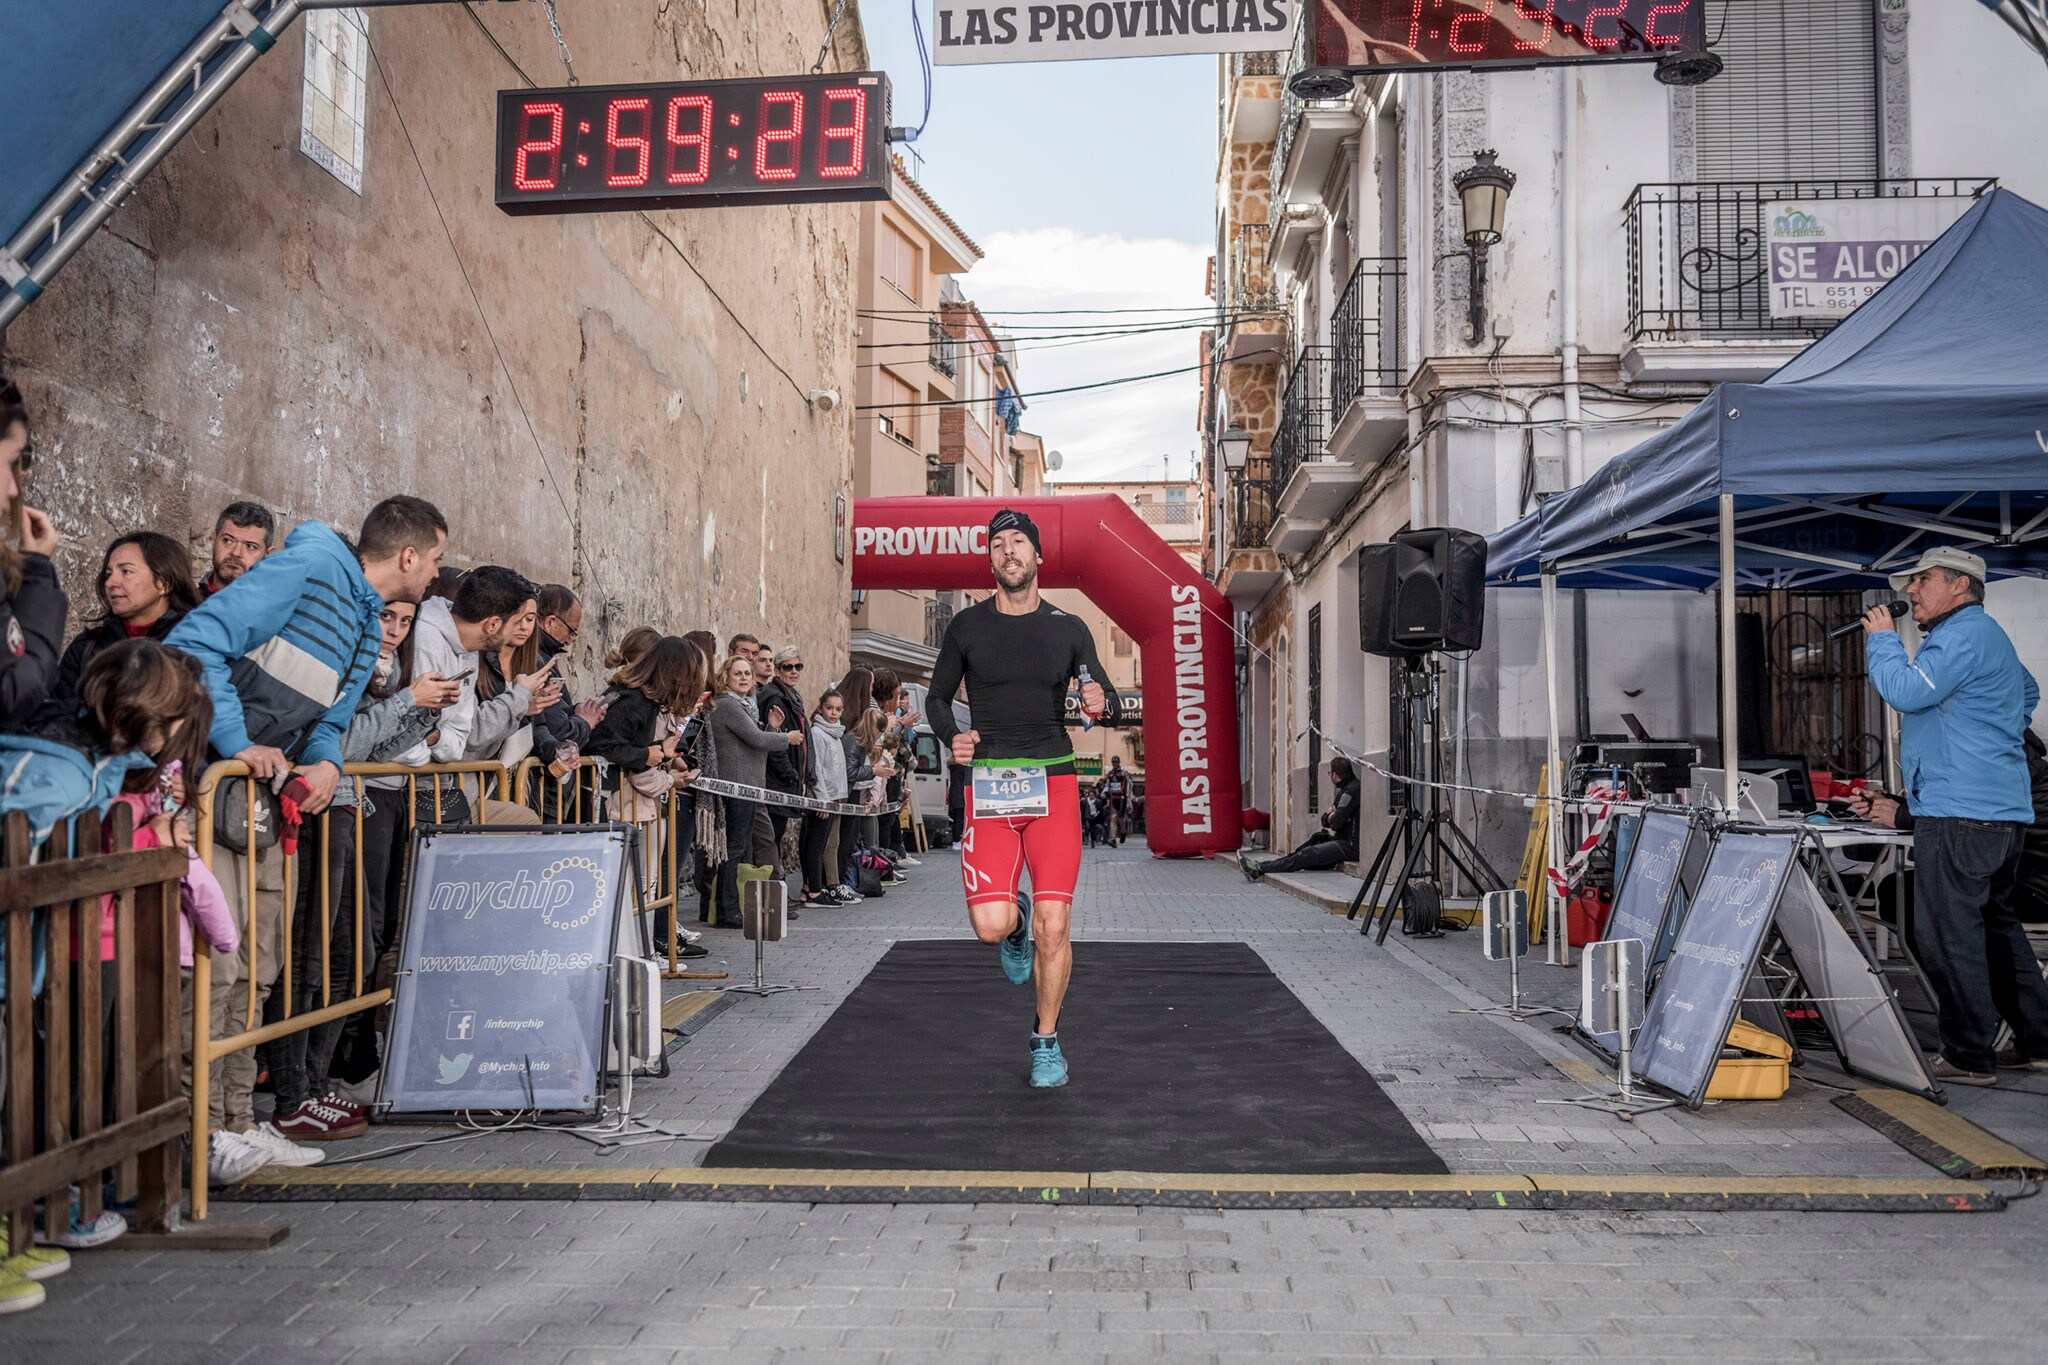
{"x": 998, "y": 849}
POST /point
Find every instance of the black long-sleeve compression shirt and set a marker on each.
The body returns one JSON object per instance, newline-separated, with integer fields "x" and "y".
{"x": 1017, "y": 670}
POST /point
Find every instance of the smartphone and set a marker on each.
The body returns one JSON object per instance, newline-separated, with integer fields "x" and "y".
{"x": 463, "y": 674}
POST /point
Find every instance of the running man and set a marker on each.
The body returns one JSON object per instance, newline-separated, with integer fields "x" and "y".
{"x": 1018, "y": 654}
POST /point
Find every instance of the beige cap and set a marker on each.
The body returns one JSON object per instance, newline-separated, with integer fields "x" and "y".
{"x": 1951, "y": 557}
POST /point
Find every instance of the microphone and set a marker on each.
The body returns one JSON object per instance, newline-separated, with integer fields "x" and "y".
{"x": 1898, "y": 607}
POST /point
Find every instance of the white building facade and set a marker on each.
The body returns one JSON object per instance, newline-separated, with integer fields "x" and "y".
{"x": 1628, "y": 280}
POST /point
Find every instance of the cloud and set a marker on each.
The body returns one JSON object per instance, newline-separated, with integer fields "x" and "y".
{"x": 1113, "y": 432}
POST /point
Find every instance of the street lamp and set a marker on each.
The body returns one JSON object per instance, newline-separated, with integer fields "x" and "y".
{"x": 1236, "y": 444}
{"x": 860, "y": 599}
{"x": 1483, "y": 190}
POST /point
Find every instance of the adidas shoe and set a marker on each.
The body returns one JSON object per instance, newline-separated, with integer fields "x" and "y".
{"x": 280, "y": 1150}
{"x": 232, "y": 1158}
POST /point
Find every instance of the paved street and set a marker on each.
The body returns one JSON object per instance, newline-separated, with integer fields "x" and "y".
{"x": 630, "y": 1281}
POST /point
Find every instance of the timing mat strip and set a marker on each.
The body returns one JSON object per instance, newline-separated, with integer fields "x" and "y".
{"x": 1944, "y": 1140}
{"x": 1700, "y": 1194}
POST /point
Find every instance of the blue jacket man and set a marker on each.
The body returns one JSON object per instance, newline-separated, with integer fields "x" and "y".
{"x": 1964, "y": 701}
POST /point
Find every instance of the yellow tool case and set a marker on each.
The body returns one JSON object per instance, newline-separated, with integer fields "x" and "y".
{"x": 1755, "y": 1065}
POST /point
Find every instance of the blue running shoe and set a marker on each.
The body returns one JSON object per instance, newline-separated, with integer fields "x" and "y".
{"x": 1017, "y": 950}
{"x": 1048, "y": 1066}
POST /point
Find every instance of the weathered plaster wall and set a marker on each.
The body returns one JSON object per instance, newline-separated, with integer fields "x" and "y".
{"x": 249, "y": 327}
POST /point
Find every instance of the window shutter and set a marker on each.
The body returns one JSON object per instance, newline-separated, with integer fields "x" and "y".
{"x": 1797, "y": 98}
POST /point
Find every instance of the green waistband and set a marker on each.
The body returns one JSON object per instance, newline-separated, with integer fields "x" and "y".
{"x": 1022, "y": 762}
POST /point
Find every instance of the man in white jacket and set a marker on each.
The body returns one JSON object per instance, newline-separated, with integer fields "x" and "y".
{"x": 447, "y": 638}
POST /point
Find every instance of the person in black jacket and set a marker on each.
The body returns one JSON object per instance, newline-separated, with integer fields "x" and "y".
{"x": 32, "y": 616}
{"x": 1335, "y": 844}
{"x": 669, "y": 677}
{"x": 145, "y": 587}
{"x": 782, "y": 708}
{"x": 562, "y": 730}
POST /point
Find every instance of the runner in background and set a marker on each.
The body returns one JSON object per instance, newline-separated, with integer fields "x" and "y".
{"x": 1017, "y": 655}
{"x": 1116, "y": 790}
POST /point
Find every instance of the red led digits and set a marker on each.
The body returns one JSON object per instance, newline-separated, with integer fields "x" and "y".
{"x": 768, "y": 136}
{"x": 1471, "y": 45}
{"x": 1595, "y": 13}
{"x": 640, "y": 149}
{"x": 548, "y": 147}
{"x": 1526, "y": 9}
{"x": 1415, "y": 25}
{"x": 1656, "y": 39}
{"x": 680, "y": 142}
{"x": 852, "y": 103}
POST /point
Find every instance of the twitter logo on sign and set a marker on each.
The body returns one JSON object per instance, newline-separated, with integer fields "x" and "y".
{"x": 454, "y": 1069}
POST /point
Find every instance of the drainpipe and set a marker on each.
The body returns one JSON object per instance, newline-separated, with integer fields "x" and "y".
{"x": 1568, "y": 271}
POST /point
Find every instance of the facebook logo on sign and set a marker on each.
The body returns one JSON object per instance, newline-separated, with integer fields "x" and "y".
{"x": 462, "y": 1026}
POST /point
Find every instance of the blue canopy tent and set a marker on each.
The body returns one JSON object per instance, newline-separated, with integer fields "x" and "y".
{"x": 95, "y": 96}
{"x": 1934, "y": 391}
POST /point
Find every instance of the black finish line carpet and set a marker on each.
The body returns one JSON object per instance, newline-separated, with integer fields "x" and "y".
{"x": 1184, "y": 1057}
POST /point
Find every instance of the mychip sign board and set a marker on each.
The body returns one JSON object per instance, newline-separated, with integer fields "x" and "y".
{"x": 1829, "y": 255}
{"x": 500, "y": 997}
{"x": 1696, "y": 999}
{"x": 968, "y": 32}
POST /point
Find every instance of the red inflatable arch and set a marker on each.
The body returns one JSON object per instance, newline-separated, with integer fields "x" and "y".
{"x": 1097, "y": 544}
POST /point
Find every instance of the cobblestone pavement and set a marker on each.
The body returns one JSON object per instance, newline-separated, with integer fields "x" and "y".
{"x": 626, "y": 1282}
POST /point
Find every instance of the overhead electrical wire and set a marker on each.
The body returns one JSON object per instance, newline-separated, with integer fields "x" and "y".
{"x": 1045, "y": 393}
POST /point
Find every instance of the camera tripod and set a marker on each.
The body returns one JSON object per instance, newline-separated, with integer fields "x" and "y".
{"x": 1424, "y": 839}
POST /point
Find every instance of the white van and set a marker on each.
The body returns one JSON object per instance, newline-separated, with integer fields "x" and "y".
{"x": 934, "y": 771}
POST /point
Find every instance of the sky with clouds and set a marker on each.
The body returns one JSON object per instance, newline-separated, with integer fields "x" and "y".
{"x": 1090, "y": 185}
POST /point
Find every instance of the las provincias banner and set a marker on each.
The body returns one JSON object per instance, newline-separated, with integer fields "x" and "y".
{"x": 968, "y": 32}
{"x": 1828, "y": 255}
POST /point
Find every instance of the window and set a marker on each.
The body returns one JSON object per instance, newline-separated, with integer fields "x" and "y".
{"x": 1798, "y": 97}
{"x": 975, "y": 391}
{"x": 897, "y": 258}
{"x": 898, "y": 418}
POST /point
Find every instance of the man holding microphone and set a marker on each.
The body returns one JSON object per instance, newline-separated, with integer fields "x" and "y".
{"x": 1964, "y": 700}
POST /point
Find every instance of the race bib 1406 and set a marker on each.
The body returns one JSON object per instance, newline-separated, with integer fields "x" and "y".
{"x": 1008, "y": 791}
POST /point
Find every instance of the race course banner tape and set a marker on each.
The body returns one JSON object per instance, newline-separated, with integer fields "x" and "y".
{"x": 762, "y": 796}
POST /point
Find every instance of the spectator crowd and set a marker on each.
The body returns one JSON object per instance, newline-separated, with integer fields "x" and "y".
{"x": 301, "y": 658}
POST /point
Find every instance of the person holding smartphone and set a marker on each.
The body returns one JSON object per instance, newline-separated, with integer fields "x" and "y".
{"x": 32, "y": 614}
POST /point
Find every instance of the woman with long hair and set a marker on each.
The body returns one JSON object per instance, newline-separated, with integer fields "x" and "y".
{"x": 743, "y": 747}
{"x": 145, "y": 587}
{"x": 32, "y": 616}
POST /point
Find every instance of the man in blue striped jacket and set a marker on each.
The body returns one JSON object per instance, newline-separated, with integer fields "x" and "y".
{"x": 287, "y": 649}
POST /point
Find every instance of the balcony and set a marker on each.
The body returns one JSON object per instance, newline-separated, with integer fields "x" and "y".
{"x": 1367, "y": 411}
{"x": 1311, "y": 132}
{"x": 1254, "y": 112}
{"x": 938, "y": 614}
{"x": 1698, "y": 280}
{"x": 945, "y": 349}
{"x": 1311, "y": 486}
{"x": 1250, "y": 569}
{"x": 1256, "y": 325}
{"x": 1176, "y": 522}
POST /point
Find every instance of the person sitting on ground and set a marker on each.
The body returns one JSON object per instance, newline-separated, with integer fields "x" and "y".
{"x": 1335, "y": 844}
{"x": 243, "y": 533}
{"x": 287, "y": 650}
{"x": 32, "y": 616}
{"x": 145, "y": 587}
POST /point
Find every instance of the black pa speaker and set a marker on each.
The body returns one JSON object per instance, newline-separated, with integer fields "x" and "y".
{"x": 1422, "y": 591}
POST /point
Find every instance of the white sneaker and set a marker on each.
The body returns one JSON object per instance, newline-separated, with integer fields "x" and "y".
{"x": 688, "y": 935}
{"x": 908, "y": 861}
{"x": 281, "y": 1150}
{"x": 363, "y": 1092}
{"x": 231, "y": 1157}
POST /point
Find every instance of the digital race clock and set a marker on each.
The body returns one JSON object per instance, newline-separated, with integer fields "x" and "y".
{"x": 792, "y": 140}
{"x": 1368, "y": 34}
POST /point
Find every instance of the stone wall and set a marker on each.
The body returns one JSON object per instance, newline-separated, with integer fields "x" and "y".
{"x": 247, "y": 326}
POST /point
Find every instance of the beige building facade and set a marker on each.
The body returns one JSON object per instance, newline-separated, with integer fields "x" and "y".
{"x": 623, "y": 403}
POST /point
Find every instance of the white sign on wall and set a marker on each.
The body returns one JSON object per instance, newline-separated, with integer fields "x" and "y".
{"x": 1829, "y": 255}
{"x": 967, "y": 32}
{"x": 332, "y": 97}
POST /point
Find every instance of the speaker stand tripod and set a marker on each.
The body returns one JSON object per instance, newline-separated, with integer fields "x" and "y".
{"x": 1423, "y": 840}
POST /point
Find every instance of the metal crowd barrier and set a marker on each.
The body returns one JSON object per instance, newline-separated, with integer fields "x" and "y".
{"x": 574, "y": 798}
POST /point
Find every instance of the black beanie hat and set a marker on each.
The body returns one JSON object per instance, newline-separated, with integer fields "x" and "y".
{"x": 1009, "y": 519}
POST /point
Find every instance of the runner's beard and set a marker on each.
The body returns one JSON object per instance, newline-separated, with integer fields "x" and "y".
{"x": 1025, "y": 576}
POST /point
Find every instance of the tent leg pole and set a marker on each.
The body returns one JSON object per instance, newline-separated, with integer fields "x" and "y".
{"x": 1730, "y": 751}
{"x": 1556, "y": 946}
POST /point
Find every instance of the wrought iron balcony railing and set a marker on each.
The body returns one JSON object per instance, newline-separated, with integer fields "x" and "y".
{"x": 938, "y": 614}
{"x": 1696, "y": 262}
{"x": 1252, "y": 289}
{"x": 1303, "y": 434}
{"x": 1292, "y": 104}
{"x": 1251, "y": 506}
{"x": 945, "y": 349}
{"x": 1254, "y": 64}
{"x": 1365, "y": 334}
